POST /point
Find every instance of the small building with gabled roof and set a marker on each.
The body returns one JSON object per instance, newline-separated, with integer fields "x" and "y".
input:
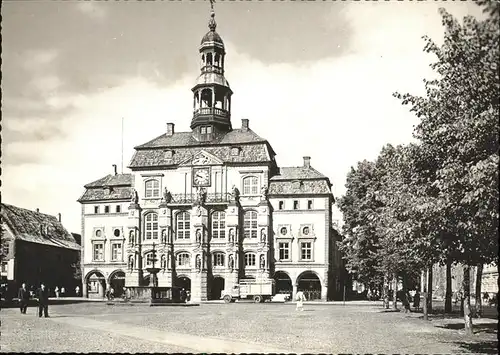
{"x": 37, "y": 248}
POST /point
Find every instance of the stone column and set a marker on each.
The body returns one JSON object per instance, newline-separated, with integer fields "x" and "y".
{"x": 233, "y": 236}
{"x": 165, "y": 223}
{"x": 263, "y": 222}
{"x": 294, "y": 291}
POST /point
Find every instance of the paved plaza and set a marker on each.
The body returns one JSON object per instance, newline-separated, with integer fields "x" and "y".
{"x": 241, "y": 327}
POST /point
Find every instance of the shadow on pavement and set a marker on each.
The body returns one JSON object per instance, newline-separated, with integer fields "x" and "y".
{"x": 488, "y": 328}
{"x": 484, "y": 347}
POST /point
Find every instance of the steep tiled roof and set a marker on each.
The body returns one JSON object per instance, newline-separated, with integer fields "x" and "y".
{"x": 37, "y": 227}
{"x": 184, "y": 139}
{"x": 294, "y": 173}
{"x": 249, "y": 153}
{"x": 302, "y": 187}
{"x": 112, "y": 180}
{"x": 110, "y": 187}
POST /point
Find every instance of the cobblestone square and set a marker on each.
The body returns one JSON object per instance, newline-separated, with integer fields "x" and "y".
{"x": 241, "y": 327}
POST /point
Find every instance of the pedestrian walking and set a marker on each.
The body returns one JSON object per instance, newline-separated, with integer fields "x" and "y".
{"x": 77, "y": 291}
{"x": 416, "y": 301}
{"x": 57, "y": 292}
{"x": 300, "y": 298}
{"x": 406, "y": 302}
{"x": 23, "y": 297}
{"x": 63, "y": 291}
{"x": 43, "y": 300}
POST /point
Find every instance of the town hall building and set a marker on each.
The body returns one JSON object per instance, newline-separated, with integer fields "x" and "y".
{"x": 212, "y": 205}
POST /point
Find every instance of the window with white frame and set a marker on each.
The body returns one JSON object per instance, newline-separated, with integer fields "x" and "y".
{"x": 151, "y": 229}
{"x": 152, "y": 188}
{"x": 218, "y": 259}
{"x": 250, "y": 185}
{"x": 183, "y": 223}
{"x": 183, "y": 259}
{"x": 305, "y": 250}
{"x": 284, "y": 250}
{"x": 98, "y": 252}
{"x": 250, "y": 224}
{"x": 250, "y": 259}
{"x": 218, "y": 224}
{"x": 116, "y": 252}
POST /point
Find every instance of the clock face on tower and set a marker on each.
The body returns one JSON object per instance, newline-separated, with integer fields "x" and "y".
{"x": 201, "y": 177}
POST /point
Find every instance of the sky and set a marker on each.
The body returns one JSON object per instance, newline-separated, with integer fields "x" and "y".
{"x": 313, "y": 78}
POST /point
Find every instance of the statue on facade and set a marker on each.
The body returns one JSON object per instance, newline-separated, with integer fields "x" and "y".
{"x": 235, "y": 195}
{"x": 163, "y": 235}
{"x": 262, "y": 262}
{"x": 198, "y": 262}
{"x": 231, "y": 262}
{"x": 163, "y": 262}
{"x": 131, "y": 237}
{"x": 198, "y": 236}
{"x": 167, "y": 196}
{"x": 131, "y": 262}
{"x": 263, "y": 235}
{"x": 263, "y": 193}
{"x": 201, "y": 196}
{"x": 231, "y": 235}
{"x": 135, "y": 197}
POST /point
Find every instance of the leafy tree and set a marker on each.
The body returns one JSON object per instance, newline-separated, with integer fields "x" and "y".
{"x": 458, "y": 131}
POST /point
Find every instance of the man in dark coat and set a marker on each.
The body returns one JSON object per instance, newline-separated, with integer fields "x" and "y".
{"x": 23, "y": 297}
{"x": 43, "y": 300}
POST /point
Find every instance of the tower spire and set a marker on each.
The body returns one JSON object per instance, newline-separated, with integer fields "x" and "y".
{"x": 212, "y": 94}
{"x": 211, "y": 23}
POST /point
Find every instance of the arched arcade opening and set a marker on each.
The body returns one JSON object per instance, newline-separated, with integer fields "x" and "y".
{"x": 217, "y": 286}
{"x": 283, "y": 283}
{"x": 309, "y": 283}
{"x": 95, "y": 282}
{"x": 117, "y": 282}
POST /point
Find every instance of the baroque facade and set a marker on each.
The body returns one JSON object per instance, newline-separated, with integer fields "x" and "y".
{"x": 212, "y": 206}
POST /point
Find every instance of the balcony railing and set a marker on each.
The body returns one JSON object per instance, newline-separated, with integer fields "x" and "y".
{"x": 212, "y": 69}
{"x": 190, "y": 198}
{"x": 211, "y": 111}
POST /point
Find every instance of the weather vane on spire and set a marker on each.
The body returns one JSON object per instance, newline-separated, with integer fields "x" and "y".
{"x": 212, "y": 2}
{"x": 212, "y": 24}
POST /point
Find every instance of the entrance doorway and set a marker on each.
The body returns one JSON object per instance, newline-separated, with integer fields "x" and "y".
{"x": 309, "y": 283}
{"x": 117, "y": 282}
{"x": 183, "y": 282}
{"x": 95, "y": 282}
{"x": 283, "y": 283}
{"x": 217, "y": 288}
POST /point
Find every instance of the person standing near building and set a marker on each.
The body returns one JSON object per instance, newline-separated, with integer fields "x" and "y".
{"x": 300, "y": 298}
{"x": 56, "y": 290}
{"x": 43, "y": 300}
{"x": 23, "y": 297}
{"x": 63, "y": 291}
{"x": 77, "y": 291}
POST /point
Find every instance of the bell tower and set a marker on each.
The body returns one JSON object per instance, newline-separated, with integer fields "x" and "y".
{"x": 212, "y": 94}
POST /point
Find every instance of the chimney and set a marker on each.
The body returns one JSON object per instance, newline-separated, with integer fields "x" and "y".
{"x": 170, "y": 129}
{"x": 115, "y": 169}
{"x": 59, "y": 217}
{"x": 244, "y": 124}
{"x": 37, "y": 210}
{"x": 307, "y": 162}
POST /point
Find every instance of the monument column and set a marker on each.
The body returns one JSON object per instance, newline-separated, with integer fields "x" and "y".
{"x": 233, "y": 240}
{"x": 165, "y": 248}
{"x": 263, "y": 220}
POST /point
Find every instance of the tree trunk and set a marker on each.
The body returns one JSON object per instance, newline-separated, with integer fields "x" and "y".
{"x": 479, "y": 277}
{"x": 447, "y": 301}
{"x": 424, "y": 294}
{"x": 467, "y": 308}
{"x": 429, "y": 290}
{"x": 395, "y": 292}
{"x": 386, "y": 291}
